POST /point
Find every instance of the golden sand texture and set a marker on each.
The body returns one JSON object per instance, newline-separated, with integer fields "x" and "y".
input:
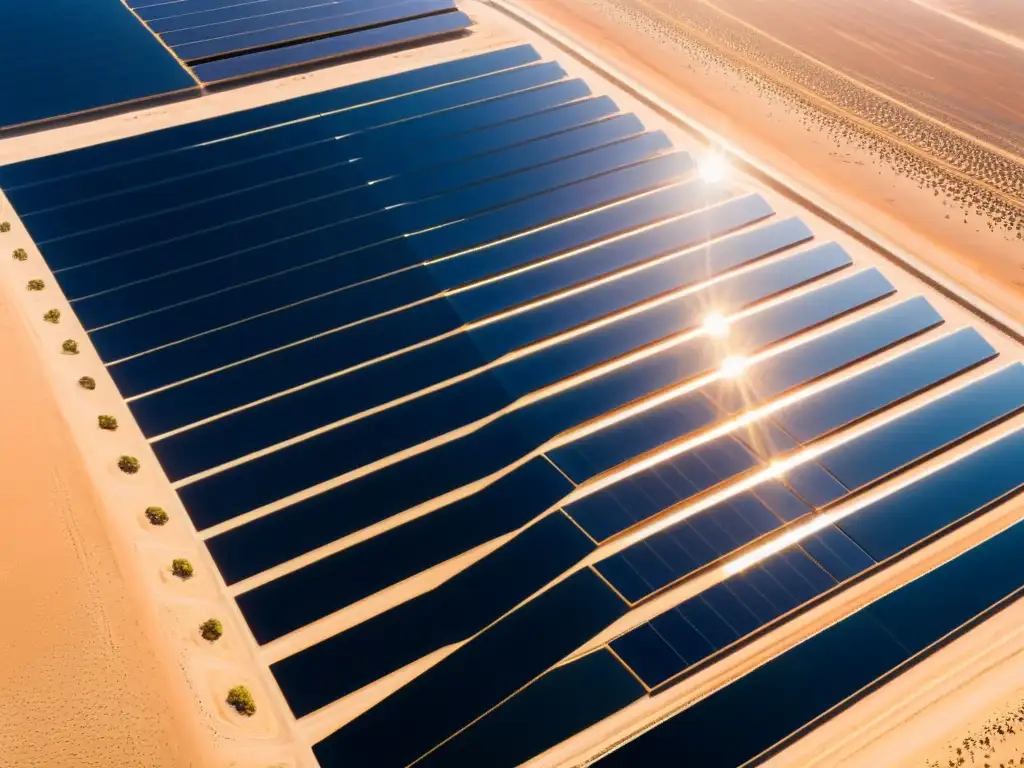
{"x": 80, "y": 682}
{"x": 958, "y": 208}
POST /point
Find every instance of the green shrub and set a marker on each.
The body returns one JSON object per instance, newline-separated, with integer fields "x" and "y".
{"x": 36, "y": 285}
{"x": 5, "y": 226}
{"x": 70, "y": 346}
{"x": 87, "y": 382}
{"x": 211, "y": 630}
{"x": 128, "y": 464}
{"x": 240, "y": 698}
{"x": 52, "y": 316}
{"x": 108, "y": 423}
{"x": 20, "y": 254}
{"x": 182, "y": 568}
{"x": 157, "y": 515}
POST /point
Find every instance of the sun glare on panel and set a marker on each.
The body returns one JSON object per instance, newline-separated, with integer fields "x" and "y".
{"x": 713, "y": 167}
{"x": 733, "y": 367}
{"x": 716, "y": 325}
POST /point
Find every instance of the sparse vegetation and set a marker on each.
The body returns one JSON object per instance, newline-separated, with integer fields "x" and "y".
{"x": 20, "y": 254}
{"x": 157, "y": 515}
{"x": 182, "y": 568}
{"x": 211, "y": 630}
{"x": 240, "y": 698}
{"x": 87, "y": 382}
{"x": 36, "y": 285}
{"x": 108, "y": 422}
{"x": 71, "y": 347}
{"x": 5, "y": 226}
{"x": 128, "y": 464}
{"x": 52, "y": 316}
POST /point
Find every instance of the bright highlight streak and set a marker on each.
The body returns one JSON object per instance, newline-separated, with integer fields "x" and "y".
{"x": 733, "y": 367}
{"x": 716, "y": 325}
{"x": 713, "y": 168}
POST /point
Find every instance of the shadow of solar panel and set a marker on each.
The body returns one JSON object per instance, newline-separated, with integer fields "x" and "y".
{"x": 402, "y": 32}
{"x": 51, "y": 168}
{"x": 874, "y": 641}
{"x": 206, "y": 44}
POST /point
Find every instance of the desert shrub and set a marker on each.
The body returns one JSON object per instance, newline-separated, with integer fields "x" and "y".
{"x": 240, "y": 698}
{"x": 211, "y": 630}
{"x": 87, "y": 382}
{"x": 5, "y": 226}
{"x": 157, "y": 515}
{"x": 108, "y": 422}
{"x": 20, "y": 254}
{"x": 70, "y": 346}
{"x": 36, "y": 285}
{"x": 182, "y": 568}
{"x": 128, "y": 464}
{"x": 52, "y": 316}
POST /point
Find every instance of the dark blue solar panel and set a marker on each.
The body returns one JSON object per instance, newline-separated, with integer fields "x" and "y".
{"x": 640, "y": 496}
{"x": 450, "y": 613}
{"x": 338, "y": 350}
{"x": 279, "y": 182}
{"x": 428, "y": 189}
{"x": 872, "y": 642}
{"x": 465, "y": 685}
{"x": 837, "y": 553}
{"x": 659, "y": 240}
{"x": 185, "y": 453}
{"x": 814, "y": 484}
{"x": 293, "y": 284}
{"x": 928, "y": 429}
{"x": 238, "y": 31}
{"x": 718, "y": 617}
{"x": 238, "y": 39}
{"x": 184, "y": 14}
{"x": 341, "y": 45}
{"x": 661, "y": 559}
{"x": 355, "y": 124}
{"x": 921, "y": 368}
{"x": 53, "y": 167}
{"x": 60, "y": 58}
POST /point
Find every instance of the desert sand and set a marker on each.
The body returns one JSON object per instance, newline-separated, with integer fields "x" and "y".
{"x": 81, "y": 681}
{"x": 958, "y": 209}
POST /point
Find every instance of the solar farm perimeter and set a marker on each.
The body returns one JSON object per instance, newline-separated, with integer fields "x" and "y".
{"x": 514, "y": 425}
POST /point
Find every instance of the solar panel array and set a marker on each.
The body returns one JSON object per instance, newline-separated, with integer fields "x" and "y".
{"x": 227, "y": 39}
{"x": 61, "y": 57}
{"x": 373, "y": 329}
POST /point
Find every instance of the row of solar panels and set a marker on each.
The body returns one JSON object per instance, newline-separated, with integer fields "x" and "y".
{"x": 226, "y": 39}
{"x": 483, "y": 255}
{"x": 107, "y": 58}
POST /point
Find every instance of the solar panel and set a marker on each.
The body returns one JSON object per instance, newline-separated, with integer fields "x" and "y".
{"x": 60, "y": 59}
{"x": 885, "y": 633}
{"x": 52, "y": 168}
{"x": 327, "y": 354}
{"x": 362, "y": 41}
{"x": 428, "y": 416}
{"x": 395, "y": 638}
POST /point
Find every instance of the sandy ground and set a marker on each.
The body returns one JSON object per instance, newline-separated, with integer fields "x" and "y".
{"x": 81, "y": 683}
{"x": 842, "y": 162}
{"x": 1004, "y": 16}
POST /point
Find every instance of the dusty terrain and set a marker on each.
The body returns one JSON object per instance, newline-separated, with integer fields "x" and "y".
{"x": 81, "y": 683}
{"x": 1002, "y": 16}
{"x": 928, "y": 186}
